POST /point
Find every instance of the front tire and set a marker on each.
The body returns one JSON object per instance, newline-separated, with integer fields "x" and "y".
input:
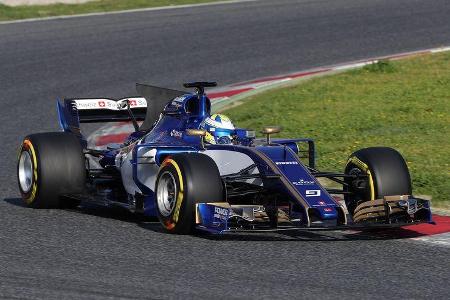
{"x": 49, "y": 166}
{"x": 184, "y": 180}
{"x": 386, "y": 175}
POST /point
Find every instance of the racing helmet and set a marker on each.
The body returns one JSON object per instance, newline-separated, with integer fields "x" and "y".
{"x": 219, "y": 129}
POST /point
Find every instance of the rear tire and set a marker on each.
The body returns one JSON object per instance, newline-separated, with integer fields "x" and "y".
{"x": 51, "y": 165}
{"x": 184, "y": 180}
{"x": 387, "y": 175}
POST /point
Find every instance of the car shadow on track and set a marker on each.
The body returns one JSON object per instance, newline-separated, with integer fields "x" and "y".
{"x": 115, "y": 213}
{"x": 301, "y": 235}
{"x": 15, "y": 201}
{"x": 153, "y": 224}
{"x": 304, "y": 235}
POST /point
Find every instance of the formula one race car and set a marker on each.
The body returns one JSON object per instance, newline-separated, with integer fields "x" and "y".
{"x": 168, "y": 168}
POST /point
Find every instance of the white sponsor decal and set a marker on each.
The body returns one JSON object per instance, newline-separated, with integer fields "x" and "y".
{"x": 86, "y": 104}
{"x": 312, "y": 193}
{"x": 179, "y": 99}
{"x": 303, "y": 182}
{"x": 286, "y": 163}
{"x": 220, "y": 213}
{"x": 176, "y": 104}
{"x": 91, "y": 103}
{"x": 176, "y": 133}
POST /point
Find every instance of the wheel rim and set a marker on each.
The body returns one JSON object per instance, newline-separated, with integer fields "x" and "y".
{"x": 167, "y": 194}
{"x": 25, "y": 172}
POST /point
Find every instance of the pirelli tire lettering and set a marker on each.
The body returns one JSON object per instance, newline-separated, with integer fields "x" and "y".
{"x": 184, "y": 180}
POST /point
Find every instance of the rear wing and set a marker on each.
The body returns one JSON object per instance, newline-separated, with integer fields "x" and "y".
{"x": 107, "y": 110}
{"x": 73, "y": 112}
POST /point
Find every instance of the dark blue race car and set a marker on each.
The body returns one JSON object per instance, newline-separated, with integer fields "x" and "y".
{"x": 196, "y": 171}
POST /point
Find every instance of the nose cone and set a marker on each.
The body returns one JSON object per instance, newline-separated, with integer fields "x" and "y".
{"x": 326, "y": 212}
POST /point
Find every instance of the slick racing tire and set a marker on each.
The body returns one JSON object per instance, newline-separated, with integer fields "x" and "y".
{"x": 386, "y": 175}
{"x": 184, "y": 180}
{"x": 49, "y": 166}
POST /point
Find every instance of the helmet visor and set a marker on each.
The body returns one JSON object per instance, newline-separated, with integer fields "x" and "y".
{"x": 223, "y": 136}
{"x": 218, "y": 132}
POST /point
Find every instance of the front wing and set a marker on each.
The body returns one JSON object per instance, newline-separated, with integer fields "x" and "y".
{"x": 392, "y": 211}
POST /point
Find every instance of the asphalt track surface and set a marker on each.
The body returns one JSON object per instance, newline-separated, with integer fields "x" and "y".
{"x": 95, "y": 253}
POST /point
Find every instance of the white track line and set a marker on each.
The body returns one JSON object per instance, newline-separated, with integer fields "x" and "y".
{"x": 442, "y": 239}
{"x": 329, "y": 69}
{"x": 355, "y": 65}
{"x": 125, "y": 11}
{"x": 443, "y": 49}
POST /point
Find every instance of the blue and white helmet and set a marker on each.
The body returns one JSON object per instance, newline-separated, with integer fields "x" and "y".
{"x": 219, "y": 129}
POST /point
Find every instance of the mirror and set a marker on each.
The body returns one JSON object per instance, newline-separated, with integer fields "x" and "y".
{"x": 196, "y": 132}
{"x": 271, "y": 129}
{"x": 268, "y": 130}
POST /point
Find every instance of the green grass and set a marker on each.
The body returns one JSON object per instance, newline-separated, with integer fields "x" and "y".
{"x": 38, "y": 11}
{"x": 402, "y": 104}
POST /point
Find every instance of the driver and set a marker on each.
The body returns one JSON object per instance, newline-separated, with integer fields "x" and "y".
{"x": 219, "y": 129}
